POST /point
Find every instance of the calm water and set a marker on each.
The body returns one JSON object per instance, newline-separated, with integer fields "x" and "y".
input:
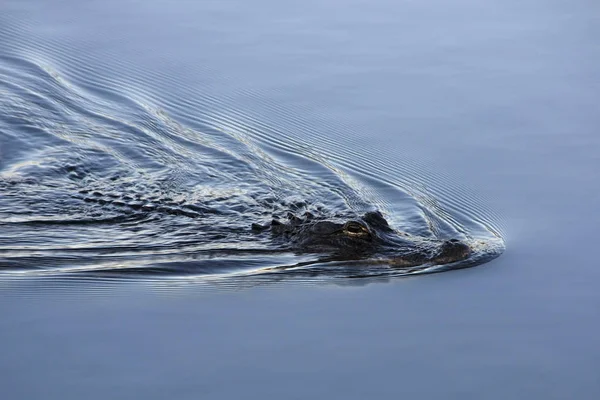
{"x": 466, "y": 120}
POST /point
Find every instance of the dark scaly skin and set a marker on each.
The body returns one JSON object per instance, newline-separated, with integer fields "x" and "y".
{"x": 364, "y": 238}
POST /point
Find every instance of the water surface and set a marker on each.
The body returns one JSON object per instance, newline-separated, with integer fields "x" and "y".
{"x": 465, "y": 119}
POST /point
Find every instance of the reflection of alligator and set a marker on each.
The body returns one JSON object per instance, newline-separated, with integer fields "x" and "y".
{"x": 364, "y": 238}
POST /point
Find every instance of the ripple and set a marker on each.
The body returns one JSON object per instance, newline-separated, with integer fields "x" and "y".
{"x": 182, "y": 173}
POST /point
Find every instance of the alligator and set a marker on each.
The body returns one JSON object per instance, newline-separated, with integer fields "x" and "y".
{"x": 367, "y": 238}
{"x": 133, "y": 223}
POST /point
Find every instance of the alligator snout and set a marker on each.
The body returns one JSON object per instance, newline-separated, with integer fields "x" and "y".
{"x": 452, "y": 250}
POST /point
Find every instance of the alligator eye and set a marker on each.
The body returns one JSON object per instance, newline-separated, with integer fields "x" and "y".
{"x": 355, "y": 229}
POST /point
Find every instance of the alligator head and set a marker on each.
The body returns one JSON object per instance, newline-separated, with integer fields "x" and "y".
{"x": 367, "y": 238}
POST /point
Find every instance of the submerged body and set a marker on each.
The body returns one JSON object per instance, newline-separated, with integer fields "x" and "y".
{"x": 368, "y": 238}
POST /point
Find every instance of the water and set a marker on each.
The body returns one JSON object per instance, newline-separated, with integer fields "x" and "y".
{"x": 466, "y": 119}
{"x": 120, "y": 180}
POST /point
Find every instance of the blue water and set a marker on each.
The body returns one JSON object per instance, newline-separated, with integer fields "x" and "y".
{"x": 462, "y": 118}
